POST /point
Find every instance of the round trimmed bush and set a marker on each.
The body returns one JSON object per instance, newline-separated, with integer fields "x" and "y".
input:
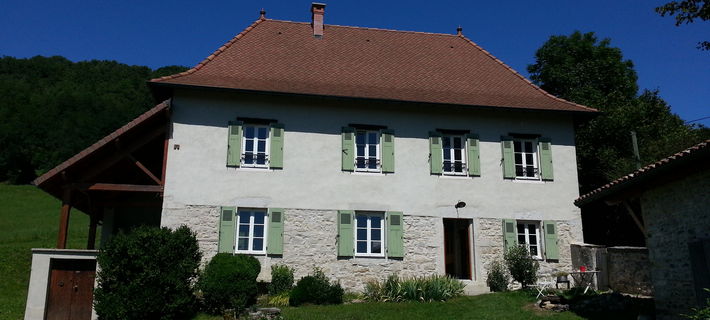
{"x": 521, "y": 265}
{"x": 497, "y": 278}
{"x": 147, "y": 274}
{"x": 316, "y": 289}
{"x": 229, "y": 282}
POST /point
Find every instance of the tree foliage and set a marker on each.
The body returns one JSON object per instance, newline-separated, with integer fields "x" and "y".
{"x": 582, "y": 69}
{"x": 52, "y": 108}
{"x": 687, "y": 11}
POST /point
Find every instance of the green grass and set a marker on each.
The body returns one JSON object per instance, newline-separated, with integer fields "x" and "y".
{"x": 29, "y": 218}
{"x": 508, "y": 305}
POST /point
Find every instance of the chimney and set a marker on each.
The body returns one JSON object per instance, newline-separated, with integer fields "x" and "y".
{"x": 317, "y": 12}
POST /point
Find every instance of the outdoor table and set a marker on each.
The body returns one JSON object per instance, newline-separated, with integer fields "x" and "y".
{"x": 583, "y": 278}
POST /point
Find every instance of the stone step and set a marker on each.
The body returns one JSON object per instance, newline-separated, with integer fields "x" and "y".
{"x": 474, "y": 288}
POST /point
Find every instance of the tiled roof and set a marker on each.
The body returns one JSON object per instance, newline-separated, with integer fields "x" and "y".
{"x": 353, "y": 62}
{"x": 697, "y": 151}
{"x": 101, "y": 143}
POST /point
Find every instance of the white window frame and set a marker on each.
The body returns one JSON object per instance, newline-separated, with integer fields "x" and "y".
{"x": 526, "y": 233}
{"x": 535, "y": 159}
{"x": 464, "y": 155}
{"x": 256, "y": 141}
{"x": 251, "y": 231}
{"x": 378, "y": 151}
{"x": 368, "y": 228}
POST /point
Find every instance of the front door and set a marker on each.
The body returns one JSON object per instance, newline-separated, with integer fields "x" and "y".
{"x": 457, "y": 247}
{"x": 71, "y": 289}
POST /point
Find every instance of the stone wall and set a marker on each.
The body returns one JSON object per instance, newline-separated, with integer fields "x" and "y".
{"x": 676, "y": 214}
{"x": 488, "y": 239}
{"x": 622, "y": 269}
{"x": 310, "y": 241}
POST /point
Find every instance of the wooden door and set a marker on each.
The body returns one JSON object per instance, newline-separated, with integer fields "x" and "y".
{"x": 71, "y": 289}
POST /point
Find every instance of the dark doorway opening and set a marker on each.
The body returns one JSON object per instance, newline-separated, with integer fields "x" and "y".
{"x": 71, "y": 289}
{"x": 457, "y": 248}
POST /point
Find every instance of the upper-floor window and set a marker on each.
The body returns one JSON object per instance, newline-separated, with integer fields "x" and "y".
{"x": 454, "y": 154}
{"x": 367, "y": 150}
{"x": 255, "y": 150}
{"x": 526, "y": 159}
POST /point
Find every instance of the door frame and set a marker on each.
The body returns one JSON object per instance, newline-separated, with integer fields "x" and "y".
{"x": 469, "y": 242}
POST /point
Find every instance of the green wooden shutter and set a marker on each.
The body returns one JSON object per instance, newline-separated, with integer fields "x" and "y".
{"x": 509, "y": 234}
{"x": 436, "y": 161}
{"x": 275, "y": 239}
{"x": 395, "y": 234}
{"x": 276, "y": 152}
{"x": 545, "y": 158}
{"x": 474, "y": 161}
{"x": 234, "y": 144}
{"x": 345, "y": 233}
{"x": 552, "y": 251}
{"x": 387, "y": 151}
{"x": 508, "y": 157}
{"x": 348, "y": 158}
{"x": 227, "y": 227}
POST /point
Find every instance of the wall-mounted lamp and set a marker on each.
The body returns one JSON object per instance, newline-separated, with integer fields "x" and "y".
{"x": 460, "y": 204}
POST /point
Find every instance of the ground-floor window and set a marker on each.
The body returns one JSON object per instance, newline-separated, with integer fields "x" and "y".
{"x": 369, "y": 234}
{"x": 251, "y": 231}
{"x": 529, "y": 235}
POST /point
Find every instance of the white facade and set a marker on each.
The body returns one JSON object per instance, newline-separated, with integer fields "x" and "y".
{"x": 312, "y": 178}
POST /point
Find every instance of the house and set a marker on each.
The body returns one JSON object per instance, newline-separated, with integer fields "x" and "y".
{"x": 365, "y": 152}
{"x": 673, "y": 215}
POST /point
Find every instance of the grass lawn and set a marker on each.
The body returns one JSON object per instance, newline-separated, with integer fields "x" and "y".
{"x": 29, "y": 218}
{"x": 509, "y": 305}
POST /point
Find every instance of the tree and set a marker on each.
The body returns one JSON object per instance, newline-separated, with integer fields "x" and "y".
{"x": 584, "y": 70}
{"x": 687, "y": 11}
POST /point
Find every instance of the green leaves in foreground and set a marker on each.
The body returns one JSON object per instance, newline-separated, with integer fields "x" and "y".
{"x": 424, "y": 289}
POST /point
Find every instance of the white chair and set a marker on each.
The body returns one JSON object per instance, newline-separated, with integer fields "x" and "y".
{"x": 543, "y": 283}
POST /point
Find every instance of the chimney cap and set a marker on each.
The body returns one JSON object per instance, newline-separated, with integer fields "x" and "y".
{"x": 262, "y": 14}
{"x": 317, "y": 5}
{"x": 459, "y": 31}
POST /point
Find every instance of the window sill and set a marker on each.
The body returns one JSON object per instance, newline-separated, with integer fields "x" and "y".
{"x": 251, "y": 253}
{"x": 523, "y": 180}
{"x": 254, "y": 169}
{"x": 369, "y": 256}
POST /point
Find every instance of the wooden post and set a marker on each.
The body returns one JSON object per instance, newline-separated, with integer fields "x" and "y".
{"x": 90, "y": 244}
{"x": 64, "y": 219}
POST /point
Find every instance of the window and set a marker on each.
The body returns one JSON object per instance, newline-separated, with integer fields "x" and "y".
{"x": 367, "y": 151}
{"x": 529, "y": 235}
{"x": 255, "y": 148}
{"x": 369, "y": 234}
{"x": 526, "y": 162}
{"x": 454, "y": 150}
{"x": 251, "y": 231}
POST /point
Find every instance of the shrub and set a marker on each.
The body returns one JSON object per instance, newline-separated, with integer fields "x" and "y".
{"x": 147, "y": 274}
{"x": 497, "y": 277}
{"x": 702, "y": 313}
{"x": 316, "y": 289}
{"x": 521, "y": 265}
{"x": 281, "y": 279}
{"x": 279, "y": 300}
{"x": 426, "y": 289}
{"x": 229, "y": 282}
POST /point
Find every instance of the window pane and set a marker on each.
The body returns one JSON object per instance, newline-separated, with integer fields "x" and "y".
{"x": 373, "y": 138}
{"x": 521, "y": 228}
{"x": 375, "y": 222}
{"x": 360, "y": 162}
{"x": 259, "y": 217}
{"x": 447, "y": 154}
{"x": 528, "y": 158}
{"x": 249, "y": 158}
{"x": 258, "y": 244}
{"x": 249, "y": 145}
{"x": 530, "y": 171}
{"x": 248, "y": 132}
{"x": 360, "y": 150}
{"x": 375, "y": 234}
{"x": 457, "y": 143}
{"x": 361, "y": 234}
{"x": 361, "y": 221}
{"x": 372, "y": 163}
{"x": 259, "y": 231}
{"x": 457, "y": 154}
{"x": 531, "y": 228}
{"x": 447, "y": 166}
{"x": 518, "y": 158}
{"x": 244, "y": 217}
{"x": 533, "y": 250}
{"x": 360, "y": 138}
{"x": 372, "y": 150}
{"x": 458, "y": 167}
{"x": 533, "y": 239}
{"x": 261, "y": 158}
{"x": 243, "y": 230}
{"x": 362, "y": 247}
{"x": 243, "y": 244}
{"x": 262, "y": 132}
{"x": 516, "y": 146}
{"x": 519, "y": 171}
{"x": 447, "y": 142}
{"x": 261, "y": 146}
{"x": 528, "y": 146}
{"x": 521, "y": 239}
{"x": 376, "y": 247}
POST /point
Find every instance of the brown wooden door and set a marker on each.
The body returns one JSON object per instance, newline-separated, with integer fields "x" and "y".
{"x": 71, "y": 289}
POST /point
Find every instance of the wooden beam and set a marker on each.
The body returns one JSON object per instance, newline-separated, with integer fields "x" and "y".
{"x": 90, "y": 242}
{"x": 121, "y": 154}
{"x": 64, "y": 219}
{"x": 145, "y": 170}
{"x": 633, "y": 216}
{"x": 121, "y": 187}
{"x": 165, "y": 151}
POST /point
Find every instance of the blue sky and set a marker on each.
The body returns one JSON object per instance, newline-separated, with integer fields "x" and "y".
{"x": 180, "y": 32}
